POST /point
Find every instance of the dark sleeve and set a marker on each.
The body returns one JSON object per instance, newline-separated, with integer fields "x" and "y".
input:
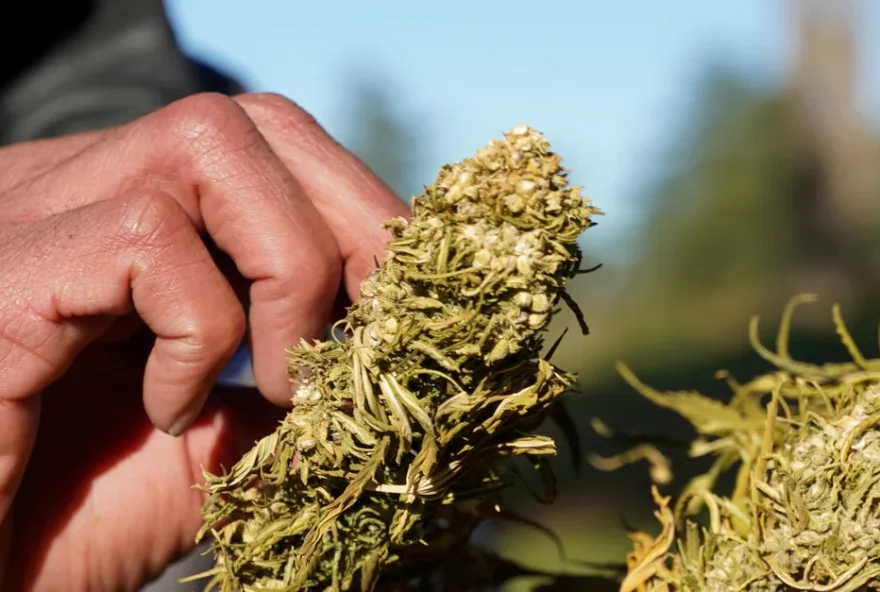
{"x": 83, "y": 65}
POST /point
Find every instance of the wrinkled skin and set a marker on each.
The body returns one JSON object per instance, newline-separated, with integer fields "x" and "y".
{"x": 125, "y": 258}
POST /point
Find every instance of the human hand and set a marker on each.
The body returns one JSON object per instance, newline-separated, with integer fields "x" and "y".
{"x": 116, "y": 320}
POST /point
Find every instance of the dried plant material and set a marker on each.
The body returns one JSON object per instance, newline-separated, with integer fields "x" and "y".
{"x": 398, "y": 439}
{"x": 803, "y": 515}
{"x": 661, "y": 467}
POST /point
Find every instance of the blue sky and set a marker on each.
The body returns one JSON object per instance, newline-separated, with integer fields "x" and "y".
{"x": 604, "y": 80}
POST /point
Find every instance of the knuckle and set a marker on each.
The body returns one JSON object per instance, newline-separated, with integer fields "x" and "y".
{"x": 207, "y": 121}
{"x": 278, "y": 111}
{"x": 150, "y": 219}
{"x": 217, "y": 335}
{"x": 301, "y": 285}
{"x": 327, "y": 277}
{"x": 228, "y": 327}
{"x": 192, "y": 350}
{"x": 321, "y": 281}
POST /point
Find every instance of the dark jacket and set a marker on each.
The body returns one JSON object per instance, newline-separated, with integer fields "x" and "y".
{"x": 82, "y": 65}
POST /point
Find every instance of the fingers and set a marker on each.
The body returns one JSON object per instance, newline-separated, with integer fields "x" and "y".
{"x": 352, "y": 199}
{"x": 291, "y": 207}
{"x": 207, "y": 153}
{"x": 73, "y": 273}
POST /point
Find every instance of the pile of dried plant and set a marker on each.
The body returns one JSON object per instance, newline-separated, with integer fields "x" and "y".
{"x": 805, "y": 510}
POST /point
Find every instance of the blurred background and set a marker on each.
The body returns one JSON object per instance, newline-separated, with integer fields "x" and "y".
{"x": 735, "y": 148}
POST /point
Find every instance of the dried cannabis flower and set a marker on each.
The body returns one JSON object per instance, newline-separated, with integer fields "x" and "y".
{"x": 804, "y": 512}
{"x": 396, "y": 443}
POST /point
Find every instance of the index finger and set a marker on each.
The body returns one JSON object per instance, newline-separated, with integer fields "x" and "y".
{"x": 351, "y": 198}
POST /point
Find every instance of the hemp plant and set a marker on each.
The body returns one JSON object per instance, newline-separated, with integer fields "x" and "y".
{"x": 804, "y": 513}
{"x": 402, "y": 431}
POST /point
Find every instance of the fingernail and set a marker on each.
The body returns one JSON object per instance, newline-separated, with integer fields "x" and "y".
{"x": 186, "y": 418}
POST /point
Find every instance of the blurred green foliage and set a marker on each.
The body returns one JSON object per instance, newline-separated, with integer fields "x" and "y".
{"x": 733, "y": 226}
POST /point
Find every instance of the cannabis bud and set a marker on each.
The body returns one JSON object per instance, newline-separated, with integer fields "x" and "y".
{"x": 803, "y": 514}
{"x": 400, "y": 431}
